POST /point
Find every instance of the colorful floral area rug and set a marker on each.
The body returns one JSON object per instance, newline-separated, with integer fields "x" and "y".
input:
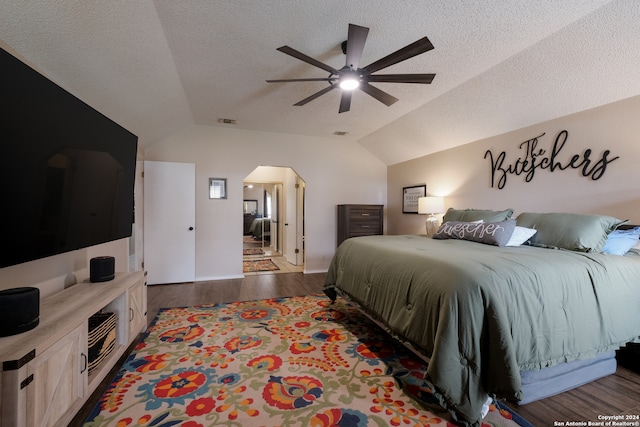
{"x": 249, "y": 241}
{"x": 252, "y": 251}
{"x": 258, "y": 265}
{"x": 298, "y": 361}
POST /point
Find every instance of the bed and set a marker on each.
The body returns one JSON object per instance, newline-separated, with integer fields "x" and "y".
{"x": 510, "y": 322}
{"x": 260, "y": 227}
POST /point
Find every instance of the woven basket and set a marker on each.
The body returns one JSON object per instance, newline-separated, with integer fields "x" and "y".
{"x": 102, "y": 338}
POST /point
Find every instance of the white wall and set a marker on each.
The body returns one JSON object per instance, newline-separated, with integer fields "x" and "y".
{"x": 57, "y": 272}
{"x": 463, "y": 175}
{"x": 335, "y": 171}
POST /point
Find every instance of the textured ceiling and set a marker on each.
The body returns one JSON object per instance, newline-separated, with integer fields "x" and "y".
{"x": 158, "y": 66}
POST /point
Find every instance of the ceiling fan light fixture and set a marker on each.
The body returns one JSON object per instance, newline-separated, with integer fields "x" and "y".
{"x": 349, "y": 79}
{"x": 349, "y": 83}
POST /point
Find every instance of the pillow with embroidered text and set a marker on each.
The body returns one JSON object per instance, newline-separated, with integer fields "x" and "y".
{"x": 490, "y": 233}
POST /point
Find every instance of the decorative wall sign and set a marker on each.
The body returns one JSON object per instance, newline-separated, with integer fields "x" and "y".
{"x": 535, "y": 158}
{"x": 410, "y": 196}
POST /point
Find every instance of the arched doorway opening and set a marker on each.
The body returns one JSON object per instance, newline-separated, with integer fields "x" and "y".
{"x": 273, "y": 217}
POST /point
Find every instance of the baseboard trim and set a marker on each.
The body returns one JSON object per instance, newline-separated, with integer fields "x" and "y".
{"x": 314, "y": 271}
{"x": 208, "y": 278}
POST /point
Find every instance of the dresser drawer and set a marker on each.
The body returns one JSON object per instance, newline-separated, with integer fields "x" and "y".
{"x": 359, "y": 220}
{"x": 370, "y": 215}
{"x": 362, "y": 227}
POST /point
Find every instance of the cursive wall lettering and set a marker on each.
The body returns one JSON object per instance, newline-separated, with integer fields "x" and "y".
{"x": 535, "y": 158}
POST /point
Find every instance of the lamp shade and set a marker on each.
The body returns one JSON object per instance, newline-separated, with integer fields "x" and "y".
{"x": 430, "y": 205}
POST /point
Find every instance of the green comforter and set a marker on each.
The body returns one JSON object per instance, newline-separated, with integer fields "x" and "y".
{"x": 483, "y": 313}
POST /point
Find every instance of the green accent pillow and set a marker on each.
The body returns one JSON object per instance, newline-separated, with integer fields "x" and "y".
{"x": 469, "y": 215}
{"x": 575, "y": 232}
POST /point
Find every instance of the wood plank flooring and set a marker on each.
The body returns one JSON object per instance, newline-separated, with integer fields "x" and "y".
{"x": 617, "y": 394}
{"x": 252, "y": 287}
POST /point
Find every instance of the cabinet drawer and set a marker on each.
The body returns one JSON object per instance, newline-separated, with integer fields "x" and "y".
{"x": 364, "y": 215}
{"x": 365, "y": 227}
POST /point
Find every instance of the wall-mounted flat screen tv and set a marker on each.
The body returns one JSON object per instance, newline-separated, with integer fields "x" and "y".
{"x": 67, "y": 172}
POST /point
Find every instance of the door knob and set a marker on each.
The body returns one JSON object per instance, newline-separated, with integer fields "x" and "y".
{"x": 190, "y": 228}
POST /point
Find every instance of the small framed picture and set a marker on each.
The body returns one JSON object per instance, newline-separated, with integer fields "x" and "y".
{"x": 410, "y": 196}
{"x": 217, "y": 188}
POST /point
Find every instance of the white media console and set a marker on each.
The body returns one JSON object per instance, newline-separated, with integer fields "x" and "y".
{"x": 45, "y": 378}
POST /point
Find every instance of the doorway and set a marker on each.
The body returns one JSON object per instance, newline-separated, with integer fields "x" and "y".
{"x": 273, "y": 218}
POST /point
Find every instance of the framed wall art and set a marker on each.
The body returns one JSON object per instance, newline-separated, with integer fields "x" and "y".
{"x": 410, "y": 196}
{"x": 217, "y": 188}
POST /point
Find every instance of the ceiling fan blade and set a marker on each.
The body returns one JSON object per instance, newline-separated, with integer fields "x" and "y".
{"x": 314, "y": 96}
{"x": 309, "y": 60}
{"x": 345, "y": 101}
{"x": 378, "y": 94}
{"x": 401, "y": 78}
{"x": 416, "y": 48}
{"x": 355, "y": 44}
{"x": 325, "y": 79}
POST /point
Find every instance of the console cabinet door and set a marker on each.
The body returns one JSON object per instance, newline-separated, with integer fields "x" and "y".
{"x": 137, "y": 309}
{"x": 59, "y": 380}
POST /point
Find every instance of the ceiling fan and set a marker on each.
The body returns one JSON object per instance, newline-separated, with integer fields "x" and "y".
{"x": 351, "y": 77}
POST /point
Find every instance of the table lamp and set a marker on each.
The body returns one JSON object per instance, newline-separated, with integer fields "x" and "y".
{"x": 431, "y": 206}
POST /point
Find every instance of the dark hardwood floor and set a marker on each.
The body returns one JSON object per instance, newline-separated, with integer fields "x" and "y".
{"x": 617, "y": 394}
{"x": 261, "y": 286}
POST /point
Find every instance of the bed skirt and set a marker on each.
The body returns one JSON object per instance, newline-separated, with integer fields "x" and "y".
{"x": 554, "y": 380}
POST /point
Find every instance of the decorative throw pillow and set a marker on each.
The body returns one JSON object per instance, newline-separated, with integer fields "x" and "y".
{"x": 575, "y": 232}
{"x": 520, "y": 235}
{"x": 469, "y": 215}
{"x": 491, "y": 233}
{"x": 619, "y": 242}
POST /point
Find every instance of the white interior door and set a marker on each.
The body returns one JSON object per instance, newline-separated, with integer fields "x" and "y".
{"x": 276, "y": 232}
{"x": 300, "y": 194}
{"x": 169, "y": 222}
{"x": 290, "y": 212}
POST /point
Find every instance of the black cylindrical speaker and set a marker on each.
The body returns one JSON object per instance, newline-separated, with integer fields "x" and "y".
{"x": 102, "y": 268}
{"x": 19, "y": 310}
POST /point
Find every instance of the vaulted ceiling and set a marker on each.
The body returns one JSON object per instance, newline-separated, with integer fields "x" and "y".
{"x": 156, "y": 67}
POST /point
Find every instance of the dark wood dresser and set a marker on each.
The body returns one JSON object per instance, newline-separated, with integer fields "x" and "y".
{"x": 359, "y": 220}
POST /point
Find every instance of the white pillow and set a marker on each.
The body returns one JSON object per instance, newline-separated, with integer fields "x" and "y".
{"x": 520, "y": 235}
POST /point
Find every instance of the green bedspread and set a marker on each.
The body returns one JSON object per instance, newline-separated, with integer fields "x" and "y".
{"x": 483, "y": 313}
